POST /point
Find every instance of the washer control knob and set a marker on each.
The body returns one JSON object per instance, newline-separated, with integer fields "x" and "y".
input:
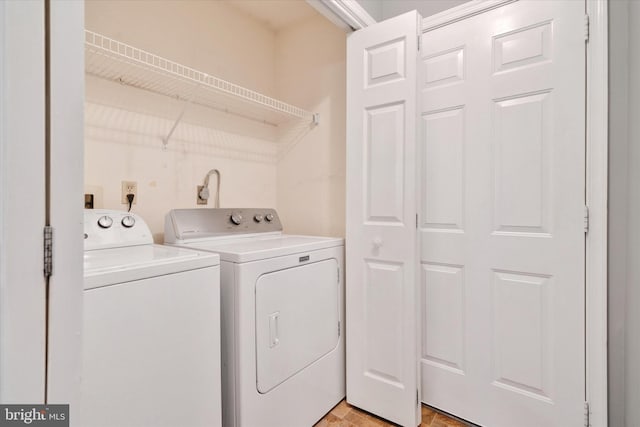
{"x": 258, "y": 218}
{"x": 269, "y": 217}
{"x": 128, "y": 221}
{"x": 105, "y": 221}
{"x": 236, "y": 218}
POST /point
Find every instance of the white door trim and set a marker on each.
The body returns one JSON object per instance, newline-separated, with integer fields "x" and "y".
{"x": 597, "y": 200}
{"x": 596, "y": 191}
{"x": 66, "y": 109}
{"x": 22, "y": 203}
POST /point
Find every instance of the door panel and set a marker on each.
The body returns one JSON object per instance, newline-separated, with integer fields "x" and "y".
{"x": 443, "y": 170}
{"x": 443, "y": 316}
{"x": 384, "y": 163}
{"x": 501, "y": 218}
{"x": 522, "y": 164}
{"x": 382, "y": 322}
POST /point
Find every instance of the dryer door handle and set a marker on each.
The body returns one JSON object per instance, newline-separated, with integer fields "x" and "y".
{"x": 273, "y": 329}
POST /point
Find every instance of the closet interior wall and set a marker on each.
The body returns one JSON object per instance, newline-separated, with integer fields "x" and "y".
{"x": 302, "y": 63}
{"x": 311, "y": 171}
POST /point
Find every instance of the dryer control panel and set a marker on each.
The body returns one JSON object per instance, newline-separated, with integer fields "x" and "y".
{"x": 184, "y": 224}
{"x": 105, "y": 228}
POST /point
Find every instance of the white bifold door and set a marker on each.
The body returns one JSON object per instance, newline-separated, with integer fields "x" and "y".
{"x": 381, "y": 282}
{"x": 499, "y": 193}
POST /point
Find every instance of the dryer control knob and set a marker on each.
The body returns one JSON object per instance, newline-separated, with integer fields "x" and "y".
{"x": 236, "y": 219}
{"x": 105, "y": 221}
{"x": 258, "y": 218}
{"x": 128, "y": 221}
{"x": 269, "y": 217}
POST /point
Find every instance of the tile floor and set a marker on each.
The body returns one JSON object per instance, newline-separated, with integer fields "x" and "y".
{"x": 345, "y": 415}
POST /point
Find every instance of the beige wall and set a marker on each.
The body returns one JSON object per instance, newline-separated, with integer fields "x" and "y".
{"x": 125, "y": 126}
{"x": 207, "y": 35}
{"x": 311, "y": 72}
{"x": 303, "y": 64}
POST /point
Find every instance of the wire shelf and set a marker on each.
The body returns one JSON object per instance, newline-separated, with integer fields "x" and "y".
{"x": 110, "y": 59}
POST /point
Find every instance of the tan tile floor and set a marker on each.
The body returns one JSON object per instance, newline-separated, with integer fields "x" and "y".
{"x": 345, "y": 415}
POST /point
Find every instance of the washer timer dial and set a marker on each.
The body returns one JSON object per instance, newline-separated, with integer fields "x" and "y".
{"x": 105, "y": 221}
{"x": 128, "y": 221}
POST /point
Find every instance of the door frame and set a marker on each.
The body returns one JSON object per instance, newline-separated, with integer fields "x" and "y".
{"x": 66, "y": 186}
{"x": 597, "y": 116}
{"x": 22, "y": 212}
{"x": 596, "y": 191}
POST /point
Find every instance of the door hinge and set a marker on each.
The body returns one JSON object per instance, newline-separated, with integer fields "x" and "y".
{"x": 417, "y": 397}
{"x": 586, "y": 219}
{"x": 338, "y": 274}
{"x": 586, "y": 28}
{"x": 416, "y": 221}
{"x": 338, "y": 328}
{"x": 586, "y": 414}
{"x": 48, "y": 251}
{"x": 419, "y": 41}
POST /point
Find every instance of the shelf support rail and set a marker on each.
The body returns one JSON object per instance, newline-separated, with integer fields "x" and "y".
{"x": 165, "y": 140}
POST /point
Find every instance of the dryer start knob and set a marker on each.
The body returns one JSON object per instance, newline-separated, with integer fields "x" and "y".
{"x": 105, "y": 221}
{"x": 236, "y": 219}
{"x": 269, "y": 217}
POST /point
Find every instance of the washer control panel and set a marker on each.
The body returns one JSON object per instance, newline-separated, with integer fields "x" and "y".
{"x": 113, "y": 229}
{"x": 183, "y": 224}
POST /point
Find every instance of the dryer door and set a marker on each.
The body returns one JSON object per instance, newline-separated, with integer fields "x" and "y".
{"x": 297, "y": 317}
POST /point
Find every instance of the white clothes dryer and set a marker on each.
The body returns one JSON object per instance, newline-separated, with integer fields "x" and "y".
{"x": 283, "y": 351}
{"x": 151, "y": 329}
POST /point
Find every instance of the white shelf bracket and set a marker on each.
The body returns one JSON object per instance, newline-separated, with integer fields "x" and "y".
{"x": 315, "y": 121}
{"x": 165, "y": 140}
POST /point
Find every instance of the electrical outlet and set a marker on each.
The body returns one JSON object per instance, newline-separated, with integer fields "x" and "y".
{"x": 88, "y": 201}
{"x": 199, "y": 200}
{"x": 129, "y": 187}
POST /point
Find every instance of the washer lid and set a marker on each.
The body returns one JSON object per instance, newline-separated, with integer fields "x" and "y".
{"x": 259, "y": 248}
{"x": 117, "y": 265}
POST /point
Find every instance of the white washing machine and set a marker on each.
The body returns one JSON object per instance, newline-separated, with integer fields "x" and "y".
{"x": 151, "y": 336}
{"x": 283, "y": 349}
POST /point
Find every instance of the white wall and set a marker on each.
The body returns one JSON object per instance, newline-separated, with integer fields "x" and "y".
{"x": 124, "y": 126}
{"x": 385, "y": 9}
{"x": 311, "y": 73}
{"x": 618, "y": 205}
{"x": 624, "y": 203}
{"x": 373, "y": 8}
{"x": 424, "y": 7}
{"x": 632, "y": 347}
